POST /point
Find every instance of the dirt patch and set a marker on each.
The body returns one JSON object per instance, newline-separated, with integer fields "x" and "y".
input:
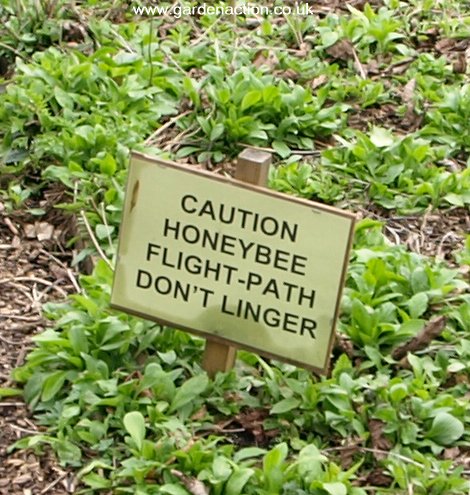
{"x": 34, "y": 269}
{"x": 438, "y": 234}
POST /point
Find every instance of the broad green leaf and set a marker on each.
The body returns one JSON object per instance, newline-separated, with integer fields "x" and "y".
{"x": 190, "y": 87}
{"x": 238, "y": 480}
{"x": 96, "y": 481}
{"x": 454, "y": 367}
{"x": 68, "y": 452}
{"x": 446, "y": 429}
{"x": 285, "y": 405}
{"x": 419, "y": 280}
{"x": 381, "y": 137}
{"x": 103, "y": 231}
{"x": 418, "y": 304}
{"x": 361, "y": 316}
{"x": 335, "y": 488}
{"x": 250, "y": 99}
{"x": 152, "y": 375}
{"x": 70, "y": 411}
{"x": 189, "y": 391}
{"x": 247, "y": 453}
{"x": 258, "y": 134}
{"x": 126, "y": 58}
{"x": 63, "y": 98}
{"x": 273, "y": 467}
{"x": 222, "y": 468}
{"x": 78, "y": 339}
{"x": 216, "y": 132}
{"x": 9, "y": 392}
{"x": 52, "y": 384}
{"x": 108, "y": 165}
{"x": 398, "y": 392}
{"x": 454, "y": 199}
{"x": 281, "y": 149}
{"x": 134, "y": 424}
{"x": 329, "y": 38}
{"x": 186, "y": 151}
{"x": 172, "y": 489}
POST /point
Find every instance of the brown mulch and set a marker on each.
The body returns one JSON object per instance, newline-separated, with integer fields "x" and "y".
{"x": 34, "y": 269}
{"x": 439, "y": 234}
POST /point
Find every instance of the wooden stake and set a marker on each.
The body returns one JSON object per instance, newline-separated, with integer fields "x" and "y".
{"x": 252, "y": 167}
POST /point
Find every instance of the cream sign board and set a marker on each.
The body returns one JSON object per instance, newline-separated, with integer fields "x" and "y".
{"x": 232, "y": 262}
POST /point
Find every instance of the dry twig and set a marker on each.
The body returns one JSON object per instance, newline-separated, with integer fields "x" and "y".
{"x": 94, "y": 240}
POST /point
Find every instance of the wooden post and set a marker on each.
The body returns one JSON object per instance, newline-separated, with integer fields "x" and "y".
{"x": 252, "y": 167}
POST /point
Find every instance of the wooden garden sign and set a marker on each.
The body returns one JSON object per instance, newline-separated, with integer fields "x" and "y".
{"x": 235, "y": 263}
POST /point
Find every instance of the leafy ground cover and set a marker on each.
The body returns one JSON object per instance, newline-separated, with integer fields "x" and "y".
{"x": 365, "y": 107}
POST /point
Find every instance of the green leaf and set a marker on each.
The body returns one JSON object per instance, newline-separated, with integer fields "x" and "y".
{"x": 446, "y": 429}
{"x": 361, "y": 316}
{"x": 335, "y": 488}
{"x": 103, "y": 231}
{"x": 216, "y": 132}
{"x": 186, "y": 151}
{"x": 189, "y": 391}
{"x": 419, "y": 280}
{"x": 70, "y": 412}
{"x": 96, "y": 481}
{"x": 222, "y": 468}
{"x": 173, "y": 489}
{"x": 190, "y": 86}
{"x": 238, "y": 480}
{"x": 247, "y": 453}
{"x": 9, "y": 392}
{"x": 272, "y": 467}
{"x": 281, "y": 149}
{"x": 454, "y": 199}
{"x": 108, "y": 165}
{"x": 63, "y": 98}
{"x": 69, "y": 453}
{"x": 126, "y": 58}
{"x": 250, "y": 99}
{"x": 285, "y": 405}
{"x": 398, "y": 392}
{"x": 381, "y": 137}
{"x": 329, "y": 38}
{"x": 418, "y": 304}
{"x": 52, "y": 384}
{"x": 134, "y": 424}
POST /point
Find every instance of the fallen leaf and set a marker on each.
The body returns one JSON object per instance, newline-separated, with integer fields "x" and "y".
{"x": 445, "y": 45}
{"x": 341, "y": 50}
{"x": 451, "y": 453}
{"x": 411, "y": 118}
{"x": 378, "y": 477}
{"x": 199, "y": 415}
{"x": 287, "y": 74}
{"x": 29, "y": 231}
{"x": 319, "y": 81}
{"x": 264, "y": 57}
{"x": 347, "y": 452}
{"x": 44, "y": 231}
{"x": 380, "y": 443}
{"x": 372, "y": 67}
{"x": 459, "y": 65}
{"x": 408, "y": 93}
{"x": 304, "y": 49}
{"x": 344, "y": 345}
